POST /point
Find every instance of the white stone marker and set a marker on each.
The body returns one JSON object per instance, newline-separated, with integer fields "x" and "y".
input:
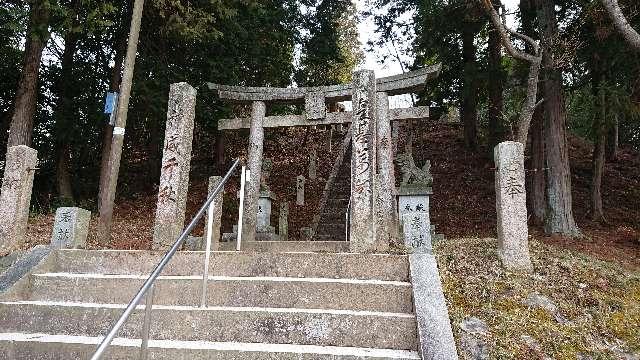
{"x": 363, "y": 165}
{"x": 264, "y": 212}
{"x": 70, "y": 228}
{"x": 313, "y": 164}
{"x": 283, "y": 221}
{"x": 176, "y": 162}
{"x": 300, "y": 180}
{"x": 217, "y": 214}
{"x": 511, "y": 206}
{"x": 20, "y": 165}
{"x": 416, "y": 228}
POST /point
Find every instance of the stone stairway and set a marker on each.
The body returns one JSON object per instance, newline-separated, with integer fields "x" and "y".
{"x": 261, "y": 305}
{"x": 332, "y": 223}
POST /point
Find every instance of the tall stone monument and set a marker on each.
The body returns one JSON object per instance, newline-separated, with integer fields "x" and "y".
{"x": 176, "y": 162}
{"x": 71, "y": 228}
{"x": 313, "y": 164}
{"x": 363, "y": 165}
{"x": 511, "y": 206}
{"x": 20, "y": 166}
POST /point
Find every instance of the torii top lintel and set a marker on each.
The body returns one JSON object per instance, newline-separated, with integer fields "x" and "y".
{"x": 411, "y": 82}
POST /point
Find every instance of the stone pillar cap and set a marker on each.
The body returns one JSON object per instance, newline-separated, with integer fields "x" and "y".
{"x": 268, "y": 194}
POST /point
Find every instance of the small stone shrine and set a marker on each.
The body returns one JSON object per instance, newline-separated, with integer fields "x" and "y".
{"x": 300, "y": 181}
{"x": 70, "y": 228}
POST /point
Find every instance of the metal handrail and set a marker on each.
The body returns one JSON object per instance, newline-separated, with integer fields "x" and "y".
{"x": 158, "y": 269}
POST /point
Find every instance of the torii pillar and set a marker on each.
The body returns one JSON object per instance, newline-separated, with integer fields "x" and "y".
{"x": 364, "y": 180}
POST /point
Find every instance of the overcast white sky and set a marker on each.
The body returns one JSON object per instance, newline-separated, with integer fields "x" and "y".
{"x": 366, "y": 28}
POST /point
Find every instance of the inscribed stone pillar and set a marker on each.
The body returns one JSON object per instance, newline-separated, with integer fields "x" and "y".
{"x": 363, "y": 164}
{"x": 176, "y": 162}
{"x": 511, "y": 206}
{"x": 283, "y": 221}
{"x": 416, "y": 228}
{"x": 217, "y": 214}
{"x": 387, "y": 228}
{"x": 254, "y": 164}
{"x": 300, "y": 181}
{"x": 70, "y": 228}
{"x": 21, "y": 162}
{"x": 313, "y": 164}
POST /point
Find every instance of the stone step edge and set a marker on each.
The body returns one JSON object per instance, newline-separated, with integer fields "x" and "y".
{"x": 226, "y": 278}
{"x": 215, "y": 346}
{"x": 227, "y": 309}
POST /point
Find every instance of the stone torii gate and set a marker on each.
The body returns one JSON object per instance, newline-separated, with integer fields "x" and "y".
{"x": 373, "y": 221}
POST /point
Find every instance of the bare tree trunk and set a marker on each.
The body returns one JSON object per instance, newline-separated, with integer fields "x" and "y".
{"x": 613, "y": 140}
{"x": 26, "y": 96}
{"x": 107, "y": 203}
{"x": 559, "y": 215}
{"x": 470, "y": 88}
{"x": 64, "y": 113}
{"x": 120, "y": 45}
{"x": 622, "y": 25}
{"x": 599, "y": 127}
{"x": 537, "y": 180}
{"x": 496, "y": 86}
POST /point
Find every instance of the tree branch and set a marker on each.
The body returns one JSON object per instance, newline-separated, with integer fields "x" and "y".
{"x": 621, "y": 23}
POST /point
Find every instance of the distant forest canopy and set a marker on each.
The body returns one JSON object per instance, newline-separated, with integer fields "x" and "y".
{"x": 58, "y": 59}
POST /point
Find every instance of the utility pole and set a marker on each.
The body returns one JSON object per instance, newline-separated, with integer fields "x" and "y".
{"x": 106, "y": 205}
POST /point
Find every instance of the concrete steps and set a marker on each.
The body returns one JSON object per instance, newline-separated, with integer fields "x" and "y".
{"x": 288, "y": 305}
{"x": 272, "y": 292}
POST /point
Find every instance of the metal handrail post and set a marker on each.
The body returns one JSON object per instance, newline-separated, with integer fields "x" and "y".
{"x": 205, "y": 273}
{"x": 158, "y": 269}
{"x": 243, "y": 179}
{"x": 146, "y": 326}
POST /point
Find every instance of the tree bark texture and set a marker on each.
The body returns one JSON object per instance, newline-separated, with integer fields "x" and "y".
{"x": 600, "y": 135}
{"x": 536, "y": 195}
{"x": 65, "y": 114}
{"x": 537, "y": 172}
{"x": 26, "y": 96}
{"x": 613, "y": 139}
{"x": 630, "y": 35}
{"x": 559, "y": 215}
{"x": 496, "y": 87}
{"x": 469, "y": 99}
{"x": 107, "y": 203}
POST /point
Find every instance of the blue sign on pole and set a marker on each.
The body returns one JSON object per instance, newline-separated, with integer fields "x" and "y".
{"x": 110, "y": 102}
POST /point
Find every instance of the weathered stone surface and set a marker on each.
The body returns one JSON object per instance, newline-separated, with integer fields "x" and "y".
{"x": 434, "y": 327}
{"x": 176, "y": 163}
{"x": 416, "y": 229}
{"x": 411, "y": 173}
{"x": 363, "y": 163}
{"x": 70, "y": 228}
{"x": 511, "y": 206}
{"x": 194, "y": 243}
{"x": 217, "y": 214}
{"x": 254, "y": 163}
{"x": 473, "y": 345}
{"x": 264, "y": 212}
{"x": 22, "y": 267}
{"x": 313, "y": 164}
{"x": 20, "y": 165}
{"x": 300, "y": 181}
{"x": 413, "y": 199}
{"x": 314, "y": 105}
{"x": 539, "y": 301}
{"x": 386, "y": 214}
{"x": 283, "y": 221}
